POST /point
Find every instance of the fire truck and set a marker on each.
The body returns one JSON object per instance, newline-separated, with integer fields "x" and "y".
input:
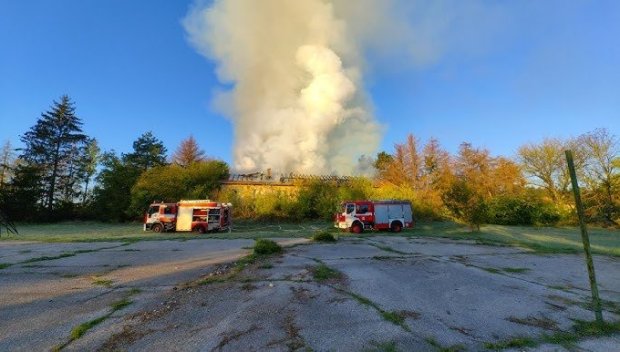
{"x": 188, "y": 215}
{"x": 357, "y": 216}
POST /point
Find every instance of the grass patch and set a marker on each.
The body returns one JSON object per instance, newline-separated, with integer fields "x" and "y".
{"x": 454, "y": 348}
{"x": 266, "y": 247}
{"x": 539, "y": 239}
{"x": 265, "y": 266}
{"x": 4, "y": 265}
{"x": 384, "y": 257}
{"x": 93, "y": 231}
{"x": 543, "y": 322}
{"x": 363, "y": 300}
{"x": 102, "y": 282}
{"x": 389, "y": 346}
{"x": 396, "y": 318}
{"x": 560, "y": 287}
{"x": 81, "y": 329}
{"x": 581, "y": 330}
{"x": 516, "y": 270}
{"x": 45, "y": 257}
{"x": 584, "y": 329}
{"x": 512, "y": 343}
{"x": 492, "y": 270}
{"x": 322, "y": 272}
{"x": 323, "y": 236}
{"x": 118, "y": 305}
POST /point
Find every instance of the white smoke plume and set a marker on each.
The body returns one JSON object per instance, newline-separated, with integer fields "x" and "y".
{"x": 297, "y": 101}
{"x": 295, "y": 69}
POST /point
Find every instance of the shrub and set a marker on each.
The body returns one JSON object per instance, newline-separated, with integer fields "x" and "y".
{"x": 266, "y": 247}
{"x": 515, "y": 210}
{"x": 323, "y": 236}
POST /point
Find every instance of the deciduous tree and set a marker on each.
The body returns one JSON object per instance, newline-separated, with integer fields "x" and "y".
{"x": 602, "y": 172}
{"x": 188, "y": 152}
{"x": 7, "y": 163}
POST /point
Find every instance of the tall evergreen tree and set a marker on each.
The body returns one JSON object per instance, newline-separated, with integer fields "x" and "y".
{"x": 148, "y": 151}
{"x": 53, "y": 144}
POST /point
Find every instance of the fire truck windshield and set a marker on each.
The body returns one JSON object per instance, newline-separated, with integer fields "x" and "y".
{"x": 349, "y": 208}
{"x": 153, "y": 209}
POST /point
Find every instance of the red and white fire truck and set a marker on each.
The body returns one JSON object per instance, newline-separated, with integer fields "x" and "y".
{"x": 357, "y": 216}
{"x": 188, "y": 215}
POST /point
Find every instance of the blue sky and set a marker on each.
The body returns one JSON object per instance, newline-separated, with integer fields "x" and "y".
{"x": 502, "y": 73}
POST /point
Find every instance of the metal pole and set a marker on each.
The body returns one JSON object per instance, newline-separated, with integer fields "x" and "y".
{"x": 596, "y": 300}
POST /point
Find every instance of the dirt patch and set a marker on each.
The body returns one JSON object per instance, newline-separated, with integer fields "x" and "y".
{"x": 302, "y": 294}
{"x": 126, "y": 337}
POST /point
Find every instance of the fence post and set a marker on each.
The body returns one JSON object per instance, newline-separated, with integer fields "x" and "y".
{"x": 596, "y": 300}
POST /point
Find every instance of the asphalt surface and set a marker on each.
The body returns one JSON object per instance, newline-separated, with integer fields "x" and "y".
{"x": 385, "y": 292}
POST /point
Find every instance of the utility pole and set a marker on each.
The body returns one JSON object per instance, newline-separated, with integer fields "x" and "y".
{"x": 596, "y": 300}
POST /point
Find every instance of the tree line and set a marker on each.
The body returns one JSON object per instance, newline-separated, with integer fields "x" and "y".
{"x": 61, "y": 173}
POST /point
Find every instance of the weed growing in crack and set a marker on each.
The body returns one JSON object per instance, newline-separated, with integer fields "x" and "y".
{"x": 454, "y": 348}
{"x": 389, "y": 346}
{"x": 322, "y": 272}
{"x": 118, "y": 305}
{"x": 512, "y": 343}
{"x": 323, "y": 236}
{"x": 102, "y": 282}
{"x": 266, "y": 247}
{"x": 396, "y": 318}
{"x": 492, "y": 270}
{"x": 83, "y": 328}
{"x": 516, "y": 270}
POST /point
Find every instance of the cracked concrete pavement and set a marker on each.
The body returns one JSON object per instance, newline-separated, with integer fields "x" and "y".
{"x": 403, "y": 292}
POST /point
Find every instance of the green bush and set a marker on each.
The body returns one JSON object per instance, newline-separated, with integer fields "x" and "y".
{"x": 171, "y": 183}
{"x": 323, "y": 236}
{"x": 514, "y": 210}
{"x": 266, "y": 247}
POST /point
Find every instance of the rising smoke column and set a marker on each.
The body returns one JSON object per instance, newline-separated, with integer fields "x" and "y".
{"x": 296, "y": 102}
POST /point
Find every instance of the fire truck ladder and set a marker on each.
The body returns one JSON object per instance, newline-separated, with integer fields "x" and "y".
{"x": 7, "y": 224}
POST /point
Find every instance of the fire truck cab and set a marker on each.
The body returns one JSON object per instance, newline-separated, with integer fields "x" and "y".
{"x": 188, "y": 215}
{"x": 357, "y": 216}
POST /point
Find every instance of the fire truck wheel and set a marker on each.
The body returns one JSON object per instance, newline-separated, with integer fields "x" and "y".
{"x": 396, "y": 226}
{"x": 357, "y": 228}
{"x": 157, "y": 228}
{"x": 201, "y": 229}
